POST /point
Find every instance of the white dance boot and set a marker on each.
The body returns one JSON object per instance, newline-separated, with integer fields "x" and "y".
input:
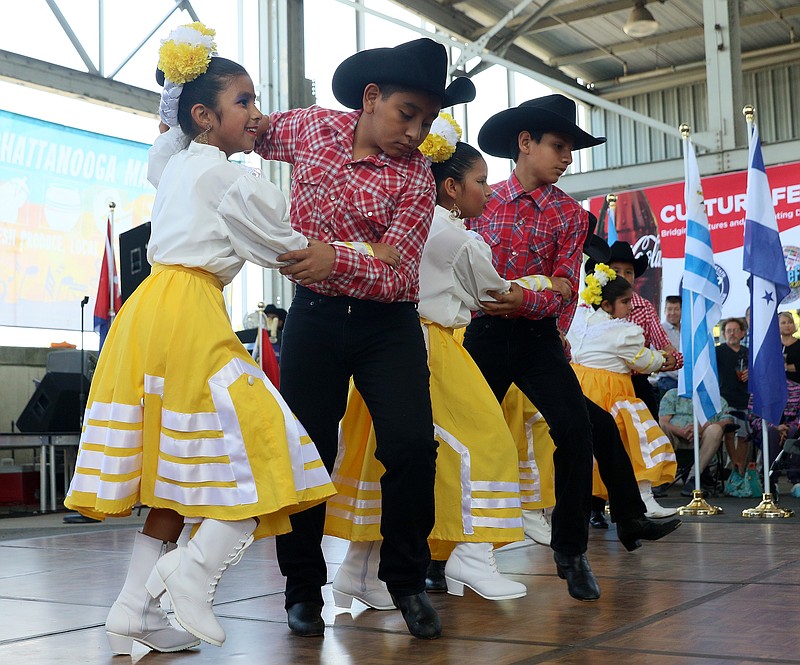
{"x": 473, "y": 565}
{"x": 135, "y": 615}
{"x": 654, "y": 508}
{"x": 536, "y": 526}
{"x": 357, "y": 578}
{"x": 190, "y": 574}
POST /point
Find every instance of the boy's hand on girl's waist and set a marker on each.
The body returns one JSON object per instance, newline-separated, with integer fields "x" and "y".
{"x": 310, "y": 265}
{"x": 506, "y": 304}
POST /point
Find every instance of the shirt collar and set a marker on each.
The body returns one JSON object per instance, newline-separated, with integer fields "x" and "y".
{"x": 512, "y": 189}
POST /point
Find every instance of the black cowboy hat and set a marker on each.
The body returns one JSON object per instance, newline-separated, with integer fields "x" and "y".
{"x": 595, "y": 247}
{"x": 622, "y": 251}
{"x": 553, "y": 113}
{"x": 420, "y": 64}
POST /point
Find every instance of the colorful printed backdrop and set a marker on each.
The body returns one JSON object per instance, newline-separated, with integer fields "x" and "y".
{"x": 653, "y": 221}
{"x": 55, "y": 186}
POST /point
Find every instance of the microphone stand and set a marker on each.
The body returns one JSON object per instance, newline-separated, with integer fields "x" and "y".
{"x": 82, "y": 398}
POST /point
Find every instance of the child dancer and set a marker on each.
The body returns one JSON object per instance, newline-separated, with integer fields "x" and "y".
{"x": 477, "y": 476}
{"x": 358, "y": 176}
{"x": 179, "y": 417}
{"x": 605, "y": 348}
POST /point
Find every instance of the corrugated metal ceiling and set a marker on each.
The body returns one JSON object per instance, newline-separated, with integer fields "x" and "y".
{"x": 584, "y": 40}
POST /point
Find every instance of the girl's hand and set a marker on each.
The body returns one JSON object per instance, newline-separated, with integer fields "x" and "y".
{"x": 309, "y": 265}
{"x": 386, "y": 253}
{"x": 507, "y": 303}
{"x": 562, "y": 286}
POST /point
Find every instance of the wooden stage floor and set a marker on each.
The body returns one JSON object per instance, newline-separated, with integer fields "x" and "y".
{"x": 720, "y": 589}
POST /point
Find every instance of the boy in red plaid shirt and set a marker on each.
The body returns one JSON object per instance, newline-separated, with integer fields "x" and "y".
{"x": 358, "y": 177}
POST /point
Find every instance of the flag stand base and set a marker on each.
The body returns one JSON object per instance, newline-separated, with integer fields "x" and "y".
{"x": 767, "y": 508}
{"x": 699, "y": 506}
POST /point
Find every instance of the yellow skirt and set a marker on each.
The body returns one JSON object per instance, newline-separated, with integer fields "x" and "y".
{"x": 477, "y": 482}
{"x": 180, "y": 416}
{"x": 648, "y": 447}
{"x": 535, "y": 450}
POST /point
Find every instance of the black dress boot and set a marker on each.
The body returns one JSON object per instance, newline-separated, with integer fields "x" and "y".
{"x": 581, "y": 582}
{"x": 434, "y": 578}
{"x": 631, "y": 532}
{"x": 305, "y": 619}
{"x": 598, "y": 520}
{"x": 420, "y": 616}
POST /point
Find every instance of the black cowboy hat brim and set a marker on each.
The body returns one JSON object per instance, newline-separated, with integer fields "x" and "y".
{"x": 498, "y": 133}
{"x": 639, "y": 263}
{"x": 413, "y": 65}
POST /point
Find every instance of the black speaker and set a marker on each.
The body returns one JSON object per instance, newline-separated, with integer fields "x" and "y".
{"x": 133, "y": 258}
{"x": 54, "y": 406}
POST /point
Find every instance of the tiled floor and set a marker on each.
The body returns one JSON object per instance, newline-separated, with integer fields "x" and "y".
{"x": 721, "y": 589}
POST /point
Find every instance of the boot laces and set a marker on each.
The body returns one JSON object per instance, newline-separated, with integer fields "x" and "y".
{"x": 232, "y": 559}
{"x": 492, "y": 562}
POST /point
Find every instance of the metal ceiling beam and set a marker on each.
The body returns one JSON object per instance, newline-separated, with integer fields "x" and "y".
{"x": 458, "y": 24}
{"x": 15, "y": 68}
{"x": 629, "y": 46}
{"x": 576, "y": 11}
{"x": 603, "y": 181}
{"x": 668, "y": 77}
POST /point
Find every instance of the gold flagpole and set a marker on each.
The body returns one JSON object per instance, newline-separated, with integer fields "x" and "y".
{"x": 698, "y": 505}
{"x": 767, "y": 508}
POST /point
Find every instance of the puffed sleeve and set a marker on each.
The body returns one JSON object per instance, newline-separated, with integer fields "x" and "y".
{"x": 474, "y": 270}
{"x": 254, "y": 212}
{"x": 631, "y": 348}
{"x": 165, "y": 146}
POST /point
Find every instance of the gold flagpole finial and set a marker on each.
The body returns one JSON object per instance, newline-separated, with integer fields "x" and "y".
{"x": 684, "y": 130}
{"x": 612, "y": 200}
{"x": 749, "y": 112}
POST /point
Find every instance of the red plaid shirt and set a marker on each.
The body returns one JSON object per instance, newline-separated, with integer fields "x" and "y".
{"x": 536, "y": 233}
{"x": 374, "y": 199}
{"x": 643, "y": 314}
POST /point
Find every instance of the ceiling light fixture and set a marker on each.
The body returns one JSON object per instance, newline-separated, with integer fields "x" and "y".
{"x": 640, "y": 22}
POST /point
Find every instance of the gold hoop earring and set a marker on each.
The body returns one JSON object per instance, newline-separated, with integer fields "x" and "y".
{"x": 455, "y": 212}
{"x": 202, "y": 138}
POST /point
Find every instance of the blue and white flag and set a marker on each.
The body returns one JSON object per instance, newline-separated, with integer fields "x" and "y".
{"x": 612, "y": 226}
{"x": 763, "y": 259}
{"x": 701, "y": 300}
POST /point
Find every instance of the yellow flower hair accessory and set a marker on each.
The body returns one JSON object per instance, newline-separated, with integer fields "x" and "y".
{"x": 183, "y": 56}
{"x": 602, "y": 275}
{"x": 440, "y": 144}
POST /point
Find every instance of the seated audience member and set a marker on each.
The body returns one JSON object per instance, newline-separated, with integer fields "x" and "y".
{"x": 676, "y": 418}
{"x": 666, "y": 380}
{"x": 791, "y": 349}
{"x": 788, "y": 428}
{"x": 732, "y": 358}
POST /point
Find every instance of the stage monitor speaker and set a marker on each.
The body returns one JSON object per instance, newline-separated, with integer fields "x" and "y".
{"x": 69, "y": 361}
{"x": 54, "y": 406}
{"x": 133, "y": 258}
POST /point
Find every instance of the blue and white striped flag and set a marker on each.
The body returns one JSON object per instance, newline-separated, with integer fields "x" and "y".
{"x": 612, "y": 226}
{"x": 763, "y": 259}
{"x": 701, "y": 300}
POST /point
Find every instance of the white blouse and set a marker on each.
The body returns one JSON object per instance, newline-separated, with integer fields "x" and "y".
{"x": 212, "y": 214}
{"x": 616, "y": 345}
{"x": 455, "y": 273}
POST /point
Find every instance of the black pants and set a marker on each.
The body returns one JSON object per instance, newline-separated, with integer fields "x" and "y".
{"x": 643, "y": 389}
{"x": 530, "y": 354}
{"x": 614, "y": 466}
{"x": 325, "y": 342}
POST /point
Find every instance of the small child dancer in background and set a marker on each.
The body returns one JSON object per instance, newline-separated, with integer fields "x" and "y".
{"x": 605, "y": 348}
{"x": 179, "y": 417}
